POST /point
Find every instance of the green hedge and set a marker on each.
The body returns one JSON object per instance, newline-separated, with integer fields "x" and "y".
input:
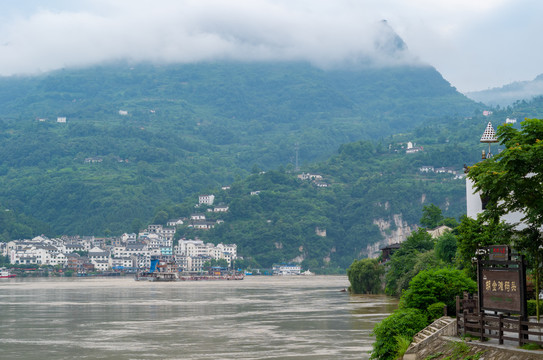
{"x": 532, "y": 307}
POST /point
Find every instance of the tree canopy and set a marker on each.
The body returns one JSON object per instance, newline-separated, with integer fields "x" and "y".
{"x": 365, "y": 276}
{"x": 437, "y": 285}
{"x": 431, "y": 216}
{"x": 513, "y": 179}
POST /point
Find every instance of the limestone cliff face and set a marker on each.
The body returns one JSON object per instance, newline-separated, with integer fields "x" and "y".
{"x": 390, "y": 236}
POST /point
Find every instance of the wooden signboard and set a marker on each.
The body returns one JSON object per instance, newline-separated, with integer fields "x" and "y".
{"x": 501, "y": 281}
{"x": 501, "y": 290}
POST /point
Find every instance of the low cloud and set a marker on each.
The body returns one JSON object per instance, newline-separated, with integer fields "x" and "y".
{"x": 474, "y": 44}
{"x": 190, "y": 31}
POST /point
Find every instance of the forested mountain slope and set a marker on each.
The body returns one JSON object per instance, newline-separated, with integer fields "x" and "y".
{"x": 373, "y": 191}
{"x": 376, "y": 192}
{"x": 138, "y": 137}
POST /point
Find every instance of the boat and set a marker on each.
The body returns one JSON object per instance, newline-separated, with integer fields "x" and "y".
{"x": 159, "y": 272}
{"x": 168, "y": 271}
{"x": 5, "y": 273}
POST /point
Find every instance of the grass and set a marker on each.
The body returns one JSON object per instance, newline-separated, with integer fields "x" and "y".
{"x": 459, "y": 351}
{"x": 531, "y": 346}
{"x": 402, "y": 343}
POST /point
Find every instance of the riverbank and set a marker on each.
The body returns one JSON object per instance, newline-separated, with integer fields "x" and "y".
{"x": 441, "y": 342}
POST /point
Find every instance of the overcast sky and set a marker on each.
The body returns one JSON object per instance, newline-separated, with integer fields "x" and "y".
{"x": 475, "y": 44}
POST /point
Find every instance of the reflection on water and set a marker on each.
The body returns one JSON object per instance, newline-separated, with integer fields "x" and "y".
{"x": 257, "y": 318}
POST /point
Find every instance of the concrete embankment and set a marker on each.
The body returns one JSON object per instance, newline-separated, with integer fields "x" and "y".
{"x": 439, "y": 341}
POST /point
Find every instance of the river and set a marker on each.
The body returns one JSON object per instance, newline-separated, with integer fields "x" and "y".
{"x": 261, "y": 317}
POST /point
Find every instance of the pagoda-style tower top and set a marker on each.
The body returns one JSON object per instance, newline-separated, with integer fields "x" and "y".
{"x": 489, "y": 136}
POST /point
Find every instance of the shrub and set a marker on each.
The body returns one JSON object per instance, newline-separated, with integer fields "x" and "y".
{"x": 445, "y": 247}
{"x": 365, "y": 276}
{"x": 435, "y": 311}
{"x": 403, "y": 322}
{"x": 532, "y": 307}
{"x": 436, "y": 285}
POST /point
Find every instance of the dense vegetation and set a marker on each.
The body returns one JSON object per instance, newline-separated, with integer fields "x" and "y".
{"x": 512, "y": 181}
{"x": 188, "y": 128}
{"x": 427, "y": 284}
{"x": 279, "y": 224}
{"x": 19, "y": 226}
{"x": 369, "y": 182}
{"x": 439, "y": 269}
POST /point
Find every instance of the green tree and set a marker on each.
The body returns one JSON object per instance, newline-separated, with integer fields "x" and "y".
{"x": 423, "y": 261}
{"x": 4, "y": 260}
{"x": 136, "y": 225}
{"x": 404, "y": 323}
{"x": 403, "y": 261}
{"x": 512, "y": 181}
{"x": 431, "y": 216}
{"x": 436, "y": 285}
{"x": 450, "y": 222}
{"x": 161, "y": 218}
{"x": 530, "y": 241}
{"x": 445, "y": 247}
{"x": 215, "y": 262}
{"x": 365, "y": 276}
{"x": 477, "y": 233}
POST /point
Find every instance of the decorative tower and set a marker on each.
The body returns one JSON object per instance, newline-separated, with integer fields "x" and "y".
{"x": 489, "y": 136}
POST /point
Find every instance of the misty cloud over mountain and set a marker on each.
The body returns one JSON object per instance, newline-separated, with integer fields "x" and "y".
{"x": 508, "y": 94}
{"x": 214, "y": 30}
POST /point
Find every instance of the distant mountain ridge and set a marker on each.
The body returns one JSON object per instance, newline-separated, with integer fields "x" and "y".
{"x": 510, "y": 93}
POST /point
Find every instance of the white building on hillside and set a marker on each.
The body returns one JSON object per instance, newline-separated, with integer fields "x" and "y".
{"x": 206, "y": 199}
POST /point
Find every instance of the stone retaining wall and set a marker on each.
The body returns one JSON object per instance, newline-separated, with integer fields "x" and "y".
{"x": 444, "y": 345}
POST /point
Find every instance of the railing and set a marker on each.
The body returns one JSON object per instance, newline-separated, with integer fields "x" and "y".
{"x": 470, "y": 321}
{"x": 500, "y": 327}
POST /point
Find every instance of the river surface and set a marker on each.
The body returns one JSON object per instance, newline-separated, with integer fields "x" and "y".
{"x": 261, "y": 317}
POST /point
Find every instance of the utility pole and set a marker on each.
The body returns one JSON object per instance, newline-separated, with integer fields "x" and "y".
{"x": 296, "y": 147}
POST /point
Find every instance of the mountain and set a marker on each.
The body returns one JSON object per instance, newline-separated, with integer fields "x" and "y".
{"x": 371, "y": 194}
{"x": 139, "y": 136}
{"x": 509, "y": 94}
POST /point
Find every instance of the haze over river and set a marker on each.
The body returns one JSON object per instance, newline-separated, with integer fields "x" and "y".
{"x": 261, "y": 317}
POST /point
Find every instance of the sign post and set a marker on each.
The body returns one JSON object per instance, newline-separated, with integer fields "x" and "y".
{"x": 501, "y": 281}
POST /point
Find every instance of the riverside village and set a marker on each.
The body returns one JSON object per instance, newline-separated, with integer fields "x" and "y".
{"x": 133, "y": 253}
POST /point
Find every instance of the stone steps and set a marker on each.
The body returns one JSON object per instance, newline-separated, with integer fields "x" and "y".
{"x": 431, "y": 330}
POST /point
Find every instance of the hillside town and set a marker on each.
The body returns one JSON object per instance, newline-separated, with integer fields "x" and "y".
{"x": 132, "y": 253}
{"x": 127, "y": 253}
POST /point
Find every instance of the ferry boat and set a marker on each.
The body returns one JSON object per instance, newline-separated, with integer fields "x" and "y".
{"x": 4, "y": 273}
{"x": 168, "y": 271}
{"x": 159, "y": 272}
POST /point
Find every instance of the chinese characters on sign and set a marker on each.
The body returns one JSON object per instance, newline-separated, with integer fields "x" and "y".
{"x": 508, "y": 286}
{"x": 501, "y": 289}
{"x": 498, "y": 252}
